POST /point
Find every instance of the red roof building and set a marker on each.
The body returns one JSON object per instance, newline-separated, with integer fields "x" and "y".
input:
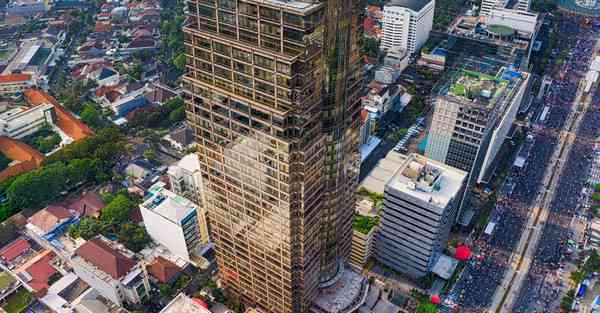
{"x": 164, "y": 270}
{"x": 40, "y": 271}
{"x": 68, "y": 123}
{"x": 47, "y": 219}
{"x": 99, "y": 253}
{"x": 88, "y": 205}
{"x": 14, "y": 250}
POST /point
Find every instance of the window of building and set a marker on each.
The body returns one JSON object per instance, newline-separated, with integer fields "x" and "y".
{"x": 270, "y": 14}
{"x": 222, "y": 49}
{"x": 264, "y": 62}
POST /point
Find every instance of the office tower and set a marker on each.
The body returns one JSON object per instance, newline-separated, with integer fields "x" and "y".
{"x": 406, "y": 24}
{"x": 272, "y": 92}
{"x": 420, "y": 205}
{"x": 474, "y": 113}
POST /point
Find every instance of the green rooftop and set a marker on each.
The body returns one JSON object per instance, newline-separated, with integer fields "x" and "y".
{"x": 501, "y": 30}
{"x": 364, "y": 224}
{"x": 477, "y": 87}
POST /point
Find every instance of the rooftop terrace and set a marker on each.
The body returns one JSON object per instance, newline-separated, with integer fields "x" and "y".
{"x": 477, "y": 87}
{"x": 168, "y": 204}
{"x": 428, "y": 180}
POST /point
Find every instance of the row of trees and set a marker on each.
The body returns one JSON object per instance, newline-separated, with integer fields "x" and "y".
{"x": 87, "y": 160}
{"x": 115, "y": 220}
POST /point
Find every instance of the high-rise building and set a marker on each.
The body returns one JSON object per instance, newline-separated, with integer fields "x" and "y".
{"x": 473, "y": 116}
{"x": 272, "y": 92}
{"x": 406, "y": 24}
{"x": 420, "y": 205}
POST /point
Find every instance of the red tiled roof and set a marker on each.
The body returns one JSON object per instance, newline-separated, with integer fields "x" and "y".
{"x": 47, "y": 218}
{"x": 12, "y": 78}
{"x": 15, "y": 249}
{"x": 40, "y": 271}
{"x": 163, "y": 270}
{"x": 141, "y": 42}
{"x": 17, "y": 150}
{"x": 88, "y": 205}
{"x": 106, "y": 258}
{"x": 68, "y": 123}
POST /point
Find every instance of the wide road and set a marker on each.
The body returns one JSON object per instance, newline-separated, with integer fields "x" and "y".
{"x": 521, "y": 261}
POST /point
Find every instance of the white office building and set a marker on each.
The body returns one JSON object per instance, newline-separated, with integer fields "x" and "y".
{"x": 171, "y": 221}
{"x": 420, "y": 205}
{"x": 406, "y": 24}
{"x": 488, "y": 6}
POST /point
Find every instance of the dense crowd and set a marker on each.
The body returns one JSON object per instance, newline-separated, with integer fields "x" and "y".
{"x": 482, "y": 275}
{"x": 540, "y": 292}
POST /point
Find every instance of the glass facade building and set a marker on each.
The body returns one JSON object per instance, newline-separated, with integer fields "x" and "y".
{"x": 272, "y": 92}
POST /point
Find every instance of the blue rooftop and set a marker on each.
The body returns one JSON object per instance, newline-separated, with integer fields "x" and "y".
{"x": 440, "y": 52}
{"x": 105, "y": 73}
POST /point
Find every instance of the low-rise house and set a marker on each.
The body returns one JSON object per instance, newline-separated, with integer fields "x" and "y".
{"x": 105, "y": 76}
{"x": 128, "y": 102}
{"x": 13, "y": 251}
{"x": 138, "y": 170}
{"x": 158, "y": 93}
{"x": 112, "y": 270}
{"x": 92, "y": 301}
{"x": 89, "y": 204}
{"x": 38, "y": 273}
{"x": 382, "y": 98}
{"x": 181, "y": 138}
{"x": 49, "y": 220}
{"x": 164, "y": 271}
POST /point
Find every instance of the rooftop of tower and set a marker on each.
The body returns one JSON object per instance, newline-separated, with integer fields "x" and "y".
{"x": 300, "y": 6}
{"x": 428, "y": 180}
{"x": 481, "y": 88}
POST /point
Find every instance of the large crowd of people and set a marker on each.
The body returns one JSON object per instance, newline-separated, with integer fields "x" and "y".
{"x": 541, "y": 289}
{"x": 483, "y": 274}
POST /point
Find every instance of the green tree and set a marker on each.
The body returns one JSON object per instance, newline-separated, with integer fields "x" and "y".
{"x": 88, "y": 228}
{"x": 133, "y": 236}
{"x": 165, "y": 290}
{"x": 47, "y": 182}
{"x": 426, "y": 307}
{"x": 150, "y": 154}
{"x": 91, "y": 116}
{"x": 179, "y": 61}
{"x": 81, "y": 170}
{"x": 118, "y": 210}
{"x": 177, "y": 115}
